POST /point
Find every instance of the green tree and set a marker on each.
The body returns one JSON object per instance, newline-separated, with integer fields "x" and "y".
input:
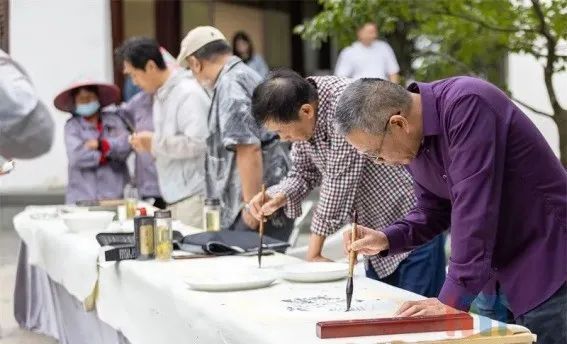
{"x": 438, "y": 38}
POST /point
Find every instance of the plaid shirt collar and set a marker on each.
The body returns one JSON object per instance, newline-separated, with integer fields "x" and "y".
{"x": 321, "y": 131}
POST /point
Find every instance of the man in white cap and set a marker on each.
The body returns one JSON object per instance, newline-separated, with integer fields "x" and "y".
{"x": 241, "y": 156}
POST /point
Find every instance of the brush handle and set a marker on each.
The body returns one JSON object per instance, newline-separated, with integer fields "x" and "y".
{"x": 352, "y": 254}
{"x": 263, "y": 200}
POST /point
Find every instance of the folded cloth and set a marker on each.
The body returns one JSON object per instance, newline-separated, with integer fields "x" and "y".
{"x": 227, "y": 242}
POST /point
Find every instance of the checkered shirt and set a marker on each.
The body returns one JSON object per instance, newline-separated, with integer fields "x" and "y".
{"x": 348, "y": 180}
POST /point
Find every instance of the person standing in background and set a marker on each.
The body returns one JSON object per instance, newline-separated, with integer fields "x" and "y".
{"x": 138, "y": 113}
{"x": 180, "y": 108}
{"x": 96, "y": 142}
{"x": 242, "y": 47}
{"x": 129, "y": 90}
{"x": 368, "y": 57}
{"x": 241, "y": 156}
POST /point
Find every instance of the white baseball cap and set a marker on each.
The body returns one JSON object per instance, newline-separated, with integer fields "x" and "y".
{"x": 195, "y": 40}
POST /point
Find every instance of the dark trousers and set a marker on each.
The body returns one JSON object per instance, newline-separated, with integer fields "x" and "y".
{"x": 422, "y": 272}
{"x": 548, "y": 320}
{"x": 492, "y": 304}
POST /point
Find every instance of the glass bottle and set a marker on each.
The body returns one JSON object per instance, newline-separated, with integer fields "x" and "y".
{"x": 144, "y": 237}
{"x": 211, "y": 215}
{"x": 163, "y": 235}
{"x": 131, "y": 203}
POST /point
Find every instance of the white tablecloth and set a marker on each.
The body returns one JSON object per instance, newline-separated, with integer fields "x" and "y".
{"x": 137, "y": 296}
{"x": 149, "y": 301}
{"x": 69, "y": 259}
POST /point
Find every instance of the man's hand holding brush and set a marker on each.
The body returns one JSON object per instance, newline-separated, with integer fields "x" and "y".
{"x": 368, "y": 241}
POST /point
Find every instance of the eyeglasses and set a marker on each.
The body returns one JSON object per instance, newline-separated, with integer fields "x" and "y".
{"x": 375, "y": 155}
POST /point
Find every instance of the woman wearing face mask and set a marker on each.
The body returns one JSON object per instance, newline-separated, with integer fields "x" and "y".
{"x": 96, "y": 141}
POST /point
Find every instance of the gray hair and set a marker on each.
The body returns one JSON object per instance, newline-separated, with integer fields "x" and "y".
{"x": 213, "y": 49}
{"x": 367, "y": 104}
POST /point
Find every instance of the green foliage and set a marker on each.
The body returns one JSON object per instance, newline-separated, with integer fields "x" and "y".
{"x": 438, "y": 38}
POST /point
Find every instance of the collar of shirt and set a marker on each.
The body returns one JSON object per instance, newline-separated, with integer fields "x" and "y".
{"x": 428, "y": 108}
{"x": 89, "y": 125}
{"x": 359, "y": 46}
{"x": 164, "y": 90}
{"x": 320, "y": 131}
{"x": 232, "y": 61}
{"x": 429, "y": 112}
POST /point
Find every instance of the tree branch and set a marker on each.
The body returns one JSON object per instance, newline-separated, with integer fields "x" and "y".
{"x": 531, "y": 108}
{"x": 549, "y": 68}
{"x": 450, "y": 58}
{"x": 543, "y": 27}
{"x": 483, "y": 23}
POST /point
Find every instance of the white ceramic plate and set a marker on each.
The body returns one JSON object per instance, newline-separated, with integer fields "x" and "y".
{"x": 315, "y": 272}
{"x": 234, "y": 282}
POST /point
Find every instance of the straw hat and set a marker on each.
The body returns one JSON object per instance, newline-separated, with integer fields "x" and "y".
{"x": 107, "y": 94}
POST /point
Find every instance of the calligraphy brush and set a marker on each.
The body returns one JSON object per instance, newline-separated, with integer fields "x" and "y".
{"x": 351, "y": 262}
{"x": 261, "y": 229}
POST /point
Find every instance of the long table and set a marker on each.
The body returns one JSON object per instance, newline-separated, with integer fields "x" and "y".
{"x": 149, "y": 302}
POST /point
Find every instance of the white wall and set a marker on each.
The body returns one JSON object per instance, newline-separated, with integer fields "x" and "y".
{"x": 57, "y": 42}
{"x": 525, "y": 81}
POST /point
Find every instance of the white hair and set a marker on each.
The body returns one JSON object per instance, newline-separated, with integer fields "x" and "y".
{"x": 367, "y": 105}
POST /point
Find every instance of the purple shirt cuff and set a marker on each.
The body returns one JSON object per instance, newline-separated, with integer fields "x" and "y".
{"x": 396, "y": 239}
{"x": 456, "y": 295}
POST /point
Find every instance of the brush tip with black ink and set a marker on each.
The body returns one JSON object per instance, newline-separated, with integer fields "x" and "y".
{"x": 349, "y": 290}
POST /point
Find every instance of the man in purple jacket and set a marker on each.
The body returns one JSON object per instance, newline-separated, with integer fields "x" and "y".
{"x": 482, "y": 167}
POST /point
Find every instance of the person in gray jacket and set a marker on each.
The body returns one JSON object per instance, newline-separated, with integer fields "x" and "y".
{"x": 180, "y": 129}
{"x": 26, "y": 126}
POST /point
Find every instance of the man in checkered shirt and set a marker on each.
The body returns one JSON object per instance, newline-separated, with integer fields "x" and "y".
{"x": 301, "y": 110}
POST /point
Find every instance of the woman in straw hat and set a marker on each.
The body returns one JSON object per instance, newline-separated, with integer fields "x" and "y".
{"x": 96, "y": 141}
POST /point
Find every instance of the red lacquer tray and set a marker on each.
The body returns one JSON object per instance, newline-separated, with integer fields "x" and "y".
{"x": 387, "y": 326}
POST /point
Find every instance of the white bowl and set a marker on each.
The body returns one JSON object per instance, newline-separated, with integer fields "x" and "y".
{"x": 88, "y": 220}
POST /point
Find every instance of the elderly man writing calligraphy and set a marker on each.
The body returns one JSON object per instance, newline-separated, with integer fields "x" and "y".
{"x": 481, "y": 166}
{"x": 301, "y": 110}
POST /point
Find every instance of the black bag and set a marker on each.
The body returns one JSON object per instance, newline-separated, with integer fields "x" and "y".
{"x": 228, "y": 243}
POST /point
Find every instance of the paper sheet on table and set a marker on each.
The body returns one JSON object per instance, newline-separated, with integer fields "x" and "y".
{"x": 177, "y": 313}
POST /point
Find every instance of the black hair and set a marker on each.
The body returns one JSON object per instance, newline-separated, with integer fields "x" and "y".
{"x": 138, "y": 51}
{"x": 212, "y": 49}
{"x": 241, "y": 35}
{"x": 281, "y": 95}
{"x": 90, "y": 88}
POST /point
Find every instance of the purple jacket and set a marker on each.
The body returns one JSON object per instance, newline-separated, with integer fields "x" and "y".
{"x": 485, "y": 169}
{"x": 138, "y": 112}
{"x": 89, "y": 179}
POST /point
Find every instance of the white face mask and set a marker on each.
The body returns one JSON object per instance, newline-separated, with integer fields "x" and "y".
{"x": 87, "y": 109}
